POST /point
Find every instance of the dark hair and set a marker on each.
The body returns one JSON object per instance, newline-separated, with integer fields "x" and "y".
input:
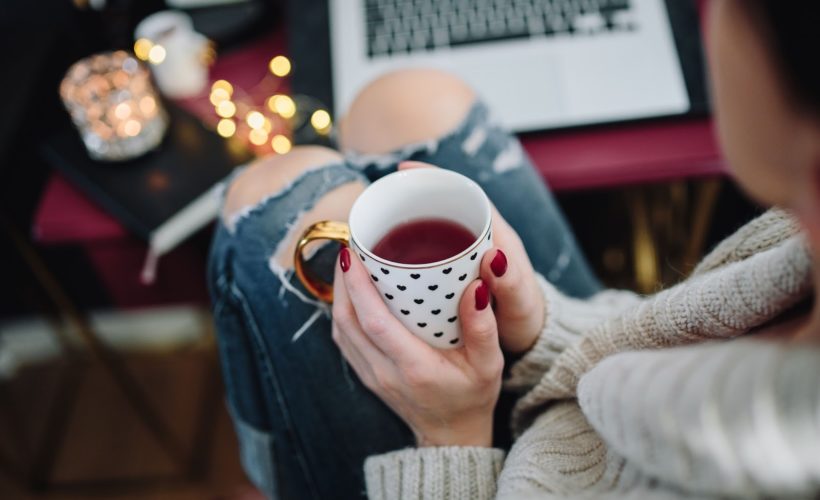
{"x": 792, "y": 30}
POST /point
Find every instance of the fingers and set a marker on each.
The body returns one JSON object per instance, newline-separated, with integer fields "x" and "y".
{"x": 479, "y": 330}
{"x": 359, "y": 351}
{"x": 502, "y": 276}
{"x": 519, "y": 302}
{"x": 408, "y": 165}
{"x": 377, "y": 323}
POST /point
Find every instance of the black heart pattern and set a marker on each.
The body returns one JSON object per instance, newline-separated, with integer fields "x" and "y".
{"x": 415, "y": 276}
{"x": 374, "y": 278}
{"x": 389, "y": 297}
{"x": 422, "y": 325}
{"x": 450, "y": 320}
{"x": 405, "y": 312}
{"x": 385, "y": 271}
{"x": 447, "y": 271}
{"x": 461, "y": 278}
{"x": 362, "y": 257}
{"x": 438, "y": 334}
{"x": 418, "y": 301}
{"x": 473, "y": 256}
{"x": 449, "y": 295}
{"x": 489, "y": 235}
{"x": 432, "y": 287}
{"x": 435, "y": 311}
{"x": 401, "y": 287}
{"x": 454, "y": 341}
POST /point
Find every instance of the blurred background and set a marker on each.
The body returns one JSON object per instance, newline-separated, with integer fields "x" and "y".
{"x": 120, "y": 115}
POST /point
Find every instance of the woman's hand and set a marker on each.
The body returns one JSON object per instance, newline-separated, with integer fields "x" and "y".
{"x": 446, "y": 397}
{"x": 519, "y": 303}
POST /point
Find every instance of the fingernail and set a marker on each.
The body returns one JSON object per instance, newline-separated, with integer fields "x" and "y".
{"x": 499, "y": 264}
{"x": 344, "y": 259}
{"x": 482, "y": 296}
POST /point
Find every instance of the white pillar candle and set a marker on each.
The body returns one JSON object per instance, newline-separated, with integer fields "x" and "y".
{"x": 177, "y": 53}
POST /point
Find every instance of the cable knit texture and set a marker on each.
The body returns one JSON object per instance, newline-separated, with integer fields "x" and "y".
{"x": 434, "y": 473}
{"x": 668, "y": 422}
{"x": 687, "y": 415}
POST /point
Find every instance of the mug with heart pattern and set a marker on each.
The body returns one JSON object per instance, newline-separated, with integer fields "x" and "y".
{"x": 424, "y": 297}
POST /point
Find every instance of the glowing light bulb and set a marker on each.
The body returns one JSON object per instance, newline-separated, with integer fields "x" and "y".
{"x": 255, "y": 120}
{"x": 219, "y": 95}
{"x": 226, "y": 109}
{"x": 224, "y": 85}
{"x": 142, "y": 47}
{"x": 132, "y": 128}
{"x": 283, "y": 105}
{"x": 280, "y": 144}
{"x": 258, "y": 136}
{"x": 280, "y": 66}
{"x": 226, "y": 127}
{"x": 148, "y": 105}
{"x": 157, "y": 54}
{"x": 320, "y": 119}
{"x": 122, "y": 111}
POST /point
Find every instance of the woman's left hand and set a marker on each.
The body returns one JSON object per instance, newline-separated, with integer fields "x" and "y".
{"x": 446, "y": 397}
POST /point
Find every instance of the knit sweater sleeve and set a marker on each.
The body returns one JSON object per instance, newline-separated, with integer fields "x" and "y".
{"x": 729, "y": 418}
{"x": 722, "y": 303}
{"x": 467, "y": 473}
{"x": 566, "y": 320}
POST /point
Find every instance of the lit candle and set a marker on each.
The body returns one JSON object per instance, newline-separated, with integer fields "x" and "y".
{"x": 114, "y": 106}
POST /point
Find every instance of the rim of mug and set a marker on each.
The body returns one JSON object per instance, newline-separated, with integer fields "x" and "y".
{"x": 427, "y": 265}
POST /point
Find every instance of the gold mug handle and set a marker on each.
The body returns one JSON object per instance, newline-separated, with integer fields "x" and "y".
{"x": 324, "y": 230}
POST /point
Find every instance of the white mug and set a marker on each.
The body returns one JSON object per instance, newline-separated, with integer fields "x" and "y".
{"x": 424, "y": 297}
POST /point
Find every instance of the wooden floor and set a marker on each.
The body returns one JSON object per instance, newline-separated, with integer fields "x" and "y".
{"x": 107, "y": 452}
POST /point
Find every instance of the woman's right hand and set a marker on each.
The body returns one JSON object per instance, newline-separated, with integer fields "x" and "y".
{"x": 519, "y": 301}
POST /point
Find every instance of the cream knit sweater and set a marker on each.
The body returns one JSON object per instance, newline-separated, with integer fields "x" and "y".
{"x": 623, "y": 396}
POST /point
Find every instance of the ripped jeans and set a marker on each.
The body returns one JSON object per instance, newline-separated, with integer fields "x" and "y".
{"x": 305, "y": 423}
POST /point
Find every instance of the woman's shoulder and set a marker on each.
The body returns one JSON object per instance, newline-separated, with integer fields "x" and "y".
{"x": 760, "y": 234}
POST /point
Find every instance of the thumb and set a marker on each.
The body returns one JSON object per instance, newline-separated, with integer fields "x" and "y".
{"x": 410, "y": 164}
{"x": 479, "y": 330}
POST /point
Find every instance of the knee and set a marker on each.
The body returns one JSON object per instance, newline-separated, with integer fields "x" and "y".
{"x": 404, "y": 107}
{"x": 269, "y": 175}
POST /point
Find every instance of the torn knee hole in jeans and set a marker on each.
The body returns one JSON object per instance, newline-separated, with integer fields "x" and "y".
{"x": 235, "y": 217}
{"x": 383, "y": 161}
{"x": 334, "y": 205}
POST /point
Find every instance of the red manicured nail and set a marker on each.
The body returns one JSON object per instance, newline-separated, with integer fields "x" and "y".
{"x": 499, "y": 264}
{"x": 344, "y": 259}
{"x": 482, "y": 296}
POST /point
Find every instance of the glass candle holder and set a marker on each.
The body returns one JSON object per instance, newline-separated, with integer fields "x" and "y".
{"x": 114, "y": 106}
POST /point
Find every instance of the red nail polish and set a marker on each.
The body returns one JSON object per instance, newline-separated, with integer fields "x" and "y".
{"x": 344, "y": 259}
{"x": 499, "y": 264}
{"x": 482, "y": 296}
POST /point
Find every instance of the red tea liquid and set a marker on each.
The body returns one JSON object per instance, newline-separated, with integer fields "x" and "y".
{"x": 423, "y": 241}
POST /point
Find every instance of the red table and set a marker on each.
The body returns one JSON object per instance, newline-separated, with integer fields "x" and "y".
{"x": 575, "y": 159}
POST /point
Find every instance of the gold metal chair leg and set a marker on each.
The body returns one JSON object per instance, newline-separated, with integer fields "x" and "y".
{"x": 644, "y": 250}
{"x": 706, "y": 196}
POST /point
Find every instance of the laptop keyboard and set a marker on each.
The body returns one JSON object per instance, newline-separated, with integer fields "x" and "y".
{"x": 404, "y": 26}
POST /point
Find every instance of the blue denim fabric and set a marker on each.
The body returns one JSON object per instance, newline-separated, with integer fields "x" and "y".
{"x": 304, "y": 421}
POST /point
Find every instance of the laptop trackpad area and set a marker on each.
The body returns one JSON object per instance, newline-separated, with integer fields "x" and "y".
{"x": 524, "y": 89}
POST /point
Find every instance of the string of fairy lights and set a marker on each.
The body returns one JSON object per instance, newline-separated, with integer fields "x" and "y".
{"x": 266, "y": 124}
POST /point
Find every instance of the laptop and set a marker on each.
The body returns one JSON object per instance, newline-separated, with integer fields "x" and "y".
{"x": 539, "y": 64}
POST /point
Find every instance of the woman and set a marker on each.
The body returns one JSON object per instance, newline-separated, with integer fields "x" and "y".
{"x": 611, "y": 401}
